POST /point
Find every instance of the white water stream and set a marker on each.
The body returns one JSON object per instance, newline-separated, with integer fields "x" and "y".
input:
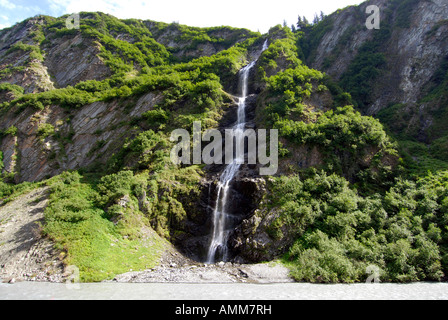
{"x": 219, "y": 237}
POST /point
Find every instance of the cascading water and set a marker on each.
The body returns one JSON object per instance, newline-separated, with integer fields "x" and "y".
{"x": 218, "y": 245}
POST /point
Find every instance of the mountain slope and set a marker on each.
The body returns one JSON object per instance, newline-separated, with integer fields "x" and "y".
{"x": 95, "y": 129}
{"x": 396, "y": 73}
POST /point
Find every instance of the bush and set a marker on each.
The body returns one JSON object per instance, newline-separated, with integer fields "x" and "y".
{"x": 16, "y": 90}
{"x": 12, "y": 130}
{"x": 338, "y": 233}
{"x": 115, "y": 186}
{"x": 156, "y": 117}
{"x": 45, "y": 130}
{"x": 288, "y": 90}
{"x": 345, "y": 137}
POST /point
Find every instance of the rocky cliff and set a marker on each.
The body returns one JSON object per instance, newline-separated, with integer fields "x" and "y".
{"x": 397, "y": 64}
{"x": 101, "y": 102}
{"x": 41, "y": 55}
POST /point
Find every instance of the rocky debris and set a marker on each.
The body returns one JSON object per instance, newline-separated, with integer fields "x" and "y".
{"x": 223, "y": 272}
{"x": 175, "y": 267}
{"x": 24, "y": 254}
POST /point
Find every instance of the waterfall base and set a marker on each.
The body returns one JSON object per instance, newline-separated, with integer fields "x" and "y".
{"x": 194, "y": 240}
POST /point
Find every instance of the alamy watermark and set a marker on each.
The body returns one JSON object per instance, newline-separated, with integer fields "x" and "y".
{"x": 235, "y": 139}
{"x": 374, "y": 20}
{"x": 73, "y": 21}
{"x": 374, "y": 272}
{"x": 72, "y": 282}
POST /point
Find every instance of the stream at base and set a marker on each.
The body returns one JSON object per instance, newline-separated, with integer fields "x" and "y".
{"x": 237, "y": 291}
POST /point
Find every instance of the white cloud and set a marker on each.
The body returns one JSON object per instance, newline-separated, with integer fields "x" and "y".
{"x": 252, "y": 14}
{"x": 128, "y": 8}
{"x": 7, "y": 5}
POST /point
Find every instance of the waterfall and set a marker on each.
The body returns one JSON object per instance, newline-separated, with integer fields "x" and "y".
{"x": 219, "y": 236}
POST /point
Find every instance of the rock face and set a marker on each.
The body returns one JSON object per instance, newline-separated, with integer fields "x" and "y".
{"x": 246, "y": 193}
{"x": 89, "y": 134}
{"x": 188, "y": 44}
{"x": 20, "y": 67}
{"x": 414, "y": 46}
{"x": 71, "y": 60}
{"x": 413, "y": 53}
{"x": 40, "y": 57}
{"x": 64, "y": 61}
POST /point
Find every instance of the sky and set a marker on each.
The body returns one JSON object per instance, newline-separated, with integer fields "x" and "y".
{"x": 256, "y": 15}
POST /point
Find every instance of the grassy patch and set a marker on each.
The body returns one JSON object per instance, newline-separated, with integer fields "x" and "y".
{"x": 93, "y": 243}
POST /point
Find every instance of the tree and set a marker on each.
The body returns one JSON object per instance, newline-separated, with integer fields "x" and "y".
{"x": 322, "y": 15}
{"x": 299, "y": 23}
{"x": 302, "y": 23}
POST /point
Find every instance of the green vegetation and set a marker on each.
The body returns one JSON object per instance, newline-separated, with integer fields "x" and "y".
{"x": 28, "y": 49}
{"x": 121, "y": 56}
{"x": 354, "y": 146}
{"x": 404, "y": 9}
{"x": 424, "y": 149}
{"x": 103, "y": 222}
{"x": 34, "y": 51}
{"x": 102, "y": 218}
{"x": 192, "y": 39}
{"x": 16, "y": 90}
{"x": 289, "y": 89}
{"x": 45, "y": 130}
{"x": 338, "y": 233}
{"x": 310, "y": 37}
{"x": 96, "y": 245}
{"x": 362, "y": 73}
{"x": 370, "y": 62}
{"x": 281, "y": 54}
{"x": 346, "y": 139}
{"x": 366, "y": 202}
{"x": 12, "y": 130}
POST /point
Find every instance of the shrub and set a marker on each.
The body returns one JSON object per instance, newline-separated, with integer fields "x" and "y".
{"x": 12, "y": 130}
{"x": 45, "y": 130}
{"x": 15, "y": 89}
{"x": 115, "y": 186}
{"x": 338, "y": 233}
{"x": 156, "y": 117}
{"x": 345, "y": 137}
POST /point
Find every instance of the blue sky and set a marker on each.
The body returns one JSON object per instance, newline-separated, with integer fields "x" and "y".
{"x": 12, "y": 11}
{"x": 257, "y": 15}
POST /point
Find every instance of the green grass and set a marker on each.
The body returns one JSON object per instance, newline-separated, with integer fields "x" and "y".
{"x": 112, "y": 220}
{"x": 83, "y": 231}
